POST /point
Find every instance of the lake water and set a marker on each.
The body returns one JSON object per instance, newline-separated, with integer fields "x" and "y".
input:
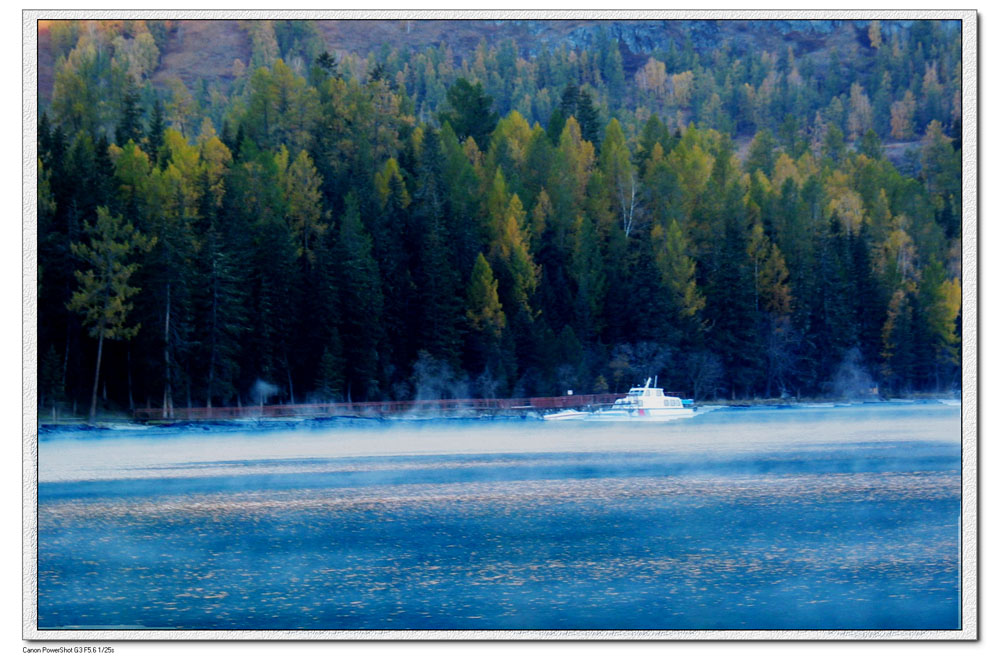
{"x": 797, "y": 518}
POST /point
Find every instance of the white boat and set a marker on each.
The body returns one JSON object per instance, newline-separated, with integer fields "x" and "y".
{"x": 641, "y": 404}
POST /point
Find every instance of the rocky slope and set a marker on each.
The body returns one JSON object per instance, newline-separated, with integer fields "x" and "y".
{"x": 198, "y": 50}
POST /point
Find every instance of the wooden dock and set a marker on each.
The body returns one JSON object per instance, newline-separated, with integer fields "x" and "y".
{"x": 527, "y": 406}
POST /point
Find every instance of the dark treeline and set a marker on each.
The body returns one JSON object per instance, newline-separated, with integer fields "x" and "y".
{"x": 405, "y": 225}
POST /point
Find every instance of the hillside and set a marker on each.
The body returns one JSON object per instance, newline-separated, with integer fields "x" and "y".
{"x": 205, "y": 50}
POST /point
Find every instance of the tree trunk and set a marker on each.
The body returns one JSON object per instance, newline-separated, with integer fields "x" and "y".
{"x": 65, "y": 368}
{"x": 168, "y": 396}
{"x": 131, "y": 400}
{"x": 97, "y": 375}
{"x": 211, "y": 357}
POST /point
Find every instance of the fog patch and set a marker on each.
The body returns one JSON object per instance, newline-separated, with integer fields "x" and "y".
{"x": 435, "y": 379}
{"x": 852, "y": 381}
{"x": 262, "y": 391}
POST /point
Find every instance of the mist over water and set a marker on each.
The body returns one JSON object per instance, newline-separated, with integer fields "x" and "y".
{"x": 820, "y": 518}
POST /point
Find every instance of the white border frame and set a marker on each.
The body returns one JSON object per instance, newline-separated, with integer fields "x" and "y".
{"x": 970, "y": 321}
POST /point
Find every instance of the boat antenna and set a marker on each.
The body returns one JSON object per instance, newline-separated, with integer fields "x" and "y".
{"x": 656, "y": 380}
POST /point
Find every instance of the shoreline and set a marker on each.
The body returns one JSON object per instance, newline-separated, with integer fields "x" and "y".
{"x": 423, "y": 416}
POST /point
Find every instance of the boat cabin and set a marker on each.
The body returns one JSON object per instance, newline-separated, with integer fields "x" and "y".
{"x": 651, "y": 397}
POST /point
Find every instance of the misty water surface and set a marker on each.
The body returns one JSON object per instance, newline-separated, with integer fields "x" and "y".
{"x": 817, "y": 518}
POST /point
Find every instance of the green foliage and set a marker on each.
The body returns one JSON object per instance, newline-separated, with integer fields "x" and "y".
{"x": 728, "y": 219}
{"x": 470, "y": 112}
{"x": 361, "y": 304}
{"x": 330, "y": 379}
{"x": 484, "y": 311}
{"x": 103, "y": 296}
{"x": 577, "y": 103}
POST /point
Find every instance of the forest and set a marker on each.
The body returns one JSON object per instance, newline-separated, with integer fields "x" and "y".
{"x": 412, "y": 223}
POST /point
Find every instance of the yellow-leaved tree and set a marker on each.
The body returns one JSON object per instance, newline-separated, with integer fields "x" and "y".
{"x": 103, "y": 296}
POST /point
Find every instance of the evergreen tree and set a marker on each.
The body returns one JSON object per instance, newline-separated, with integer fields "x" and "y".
{"x": 871, "y": 145}
{"x": 329, "y": 380}
{"x": 157, "y": 127}
{"x": 557, "y": 121}
{"x": 171, "y": 205}
{"x": 899, "y": 341}
{"x": 104, "y": 290}
{"x": 393, "y": 231}
{"x": 588, "y": 276}
{"x": 677, "y": 272}
{"x": 438, "y": 299}
{"x": 305, "y": 208}
{"x": 729, "y": 283}
{"x": 130, "y": 125}
{"x": 51, "y": 389}
{"x": 361, "y": 304}
{"x": 220, "y": 296}
{"x": 578, "y": 103}
{"x": 869, "y": 299}
{"x": 776, "y": 275}
{"x": 762, "y": 153}
{"x": 939, "y": 300}
{"x": 485, "y": 317}
{"x": 470, "y": 112}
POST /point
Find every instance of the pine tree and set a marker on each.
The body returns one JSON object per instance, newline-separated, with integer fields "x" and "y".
{"x": 460, "y": 184}
{"x": 588, "y": 275}
{"x": 220, "y": 295}
{"x": 51, "y": 389}
{"x": 485, "y": 317}
{"x": 170, "y": 208}
{"x": 899, "y": 341}
{"x": 871, "y": 145}
{"x": 361, "y": 304}
{"x": 939, "y": 299}
{"x": 677, "y": 271}
{"x": 156, "y": 130}
{"x": 392, "y": 233}
{"x": 248, "y": 278}
{"x": 437, "y": 303}
{"x": 130, "y": 125}
{"x": 305, "y": 205}
{"x": 869, "y": 299}
{"x": 554, "y": 128}
{"x": 578, "y": 103}
{"x": 513, "y": 262}
{"x": 470, "y": 112}
{"x": 104, "y": 290}
{"x": 762, "y": 153}
{"x": 729, "y": 283}
{"x": 330, "y": 378}
{"x": 224, "y": 319}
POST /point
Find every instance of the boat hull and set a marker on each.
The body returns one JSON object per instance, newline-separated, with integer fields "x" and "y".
{"x": 624, "y": 415}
